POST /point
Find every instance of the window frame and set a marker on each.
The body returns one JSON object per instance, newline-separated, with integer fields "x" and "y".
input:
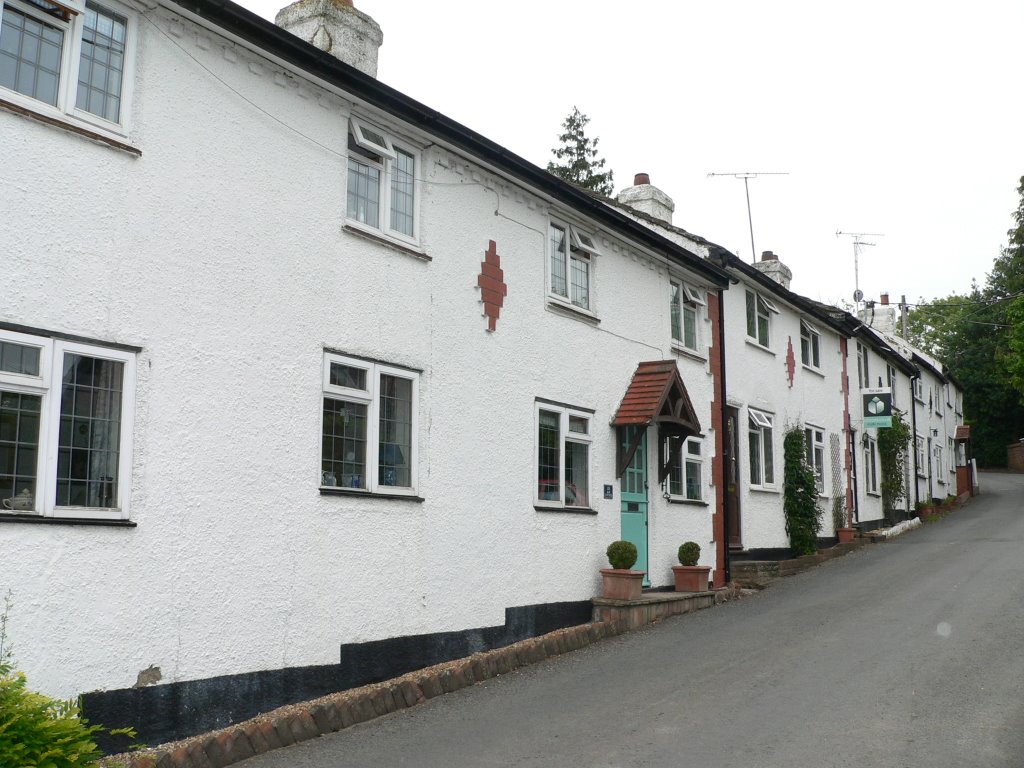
{"x": 812, "y": 336}
{"x": 870, "y": 466}
{"x": 574, "y": 237}
{"x": 48, "y": 386}
{"x": 814, "y": 442}
{"x": 891, "y": 381}
{"x": 921, "y": 450}
{"x": 762, "y": 420}
{"x": 683, "y": 458}
{"x": 565, "y": 413}
{"x": 863, "y": 366}
{"x": 682, "y": 301}
{"x": 66, "y": 109}
{"x": 919, "y": 390}
{"x": 371, "y": 397}
{"x": 386, "y": 159}
{"x": 762, "y": 307}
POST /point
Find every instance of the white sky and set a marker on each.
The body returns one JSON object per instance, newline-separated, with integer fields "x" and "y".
{"x": 902, "y": 118}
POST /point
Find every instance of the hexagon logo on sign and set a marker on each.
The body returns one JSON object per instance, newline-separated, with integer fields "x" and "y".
{"x": 877, "y": 407}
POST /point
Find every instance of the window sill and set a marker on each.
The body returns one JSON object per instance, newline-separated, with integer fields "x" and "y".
{"x": 571, "y": 310}
{"x": 874, "y": 494}
{"x": 683, "y": 351}
{"x": 40, "y": 520}
{"x": 687, "y": 502}
{"x": 69, "y": 124}
{"x": 331, "y": 491}
{"x": 812, "y": 369}
{"x": 376, "y": 236}
{"x": 764, "y": 489}
{"x": 567, "y": 510}
{"x": 757, "y": 345}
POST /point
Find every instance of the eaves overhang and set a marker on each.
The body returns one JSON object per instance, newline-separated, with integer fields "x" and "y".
{"x": 279, "y": 43}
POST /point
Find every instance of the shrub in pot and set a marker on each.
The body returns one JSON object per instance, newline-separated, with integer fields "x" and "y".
{"x": 620, "y": 582}
{"x": 689, "y": 576}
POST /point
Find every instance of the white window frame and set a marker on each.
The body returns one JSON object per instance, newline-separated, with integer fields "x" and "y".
{"x": 939, "y": 466}
{"x": 66, "y": 109}
{"x": 863, "y": 366}
{"x": 870, "y": 465}
{"x": 685, "y": 457}
{"x": 813, "y": 337}
{"x": 576, "y": 250}
{"x": 762, "y": 308}
{"x": 891, "y": 381}
{"x": 814, "y": 442}
{"x": 761, "y": 421}
{"x": 564, "y": 435}
{"x": 689, "y": 300}
{"x": 919, "y": 390}
{"x": 951, "y": 445}
{"x": 370, "y": 397}
{"x": 919, "y": 448}
{"x": 388, "y": 155}
{"x": 48, "y": 386}
{"x": 937, "y": 399}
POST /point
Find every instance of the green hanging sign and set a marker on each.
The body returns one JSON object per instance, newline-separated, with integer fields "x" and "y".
{"x": 877, "y": 407}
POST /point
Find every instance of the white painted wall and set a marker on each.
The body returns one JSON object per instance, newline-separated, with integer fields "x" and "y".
{"x": 220, "y": 252}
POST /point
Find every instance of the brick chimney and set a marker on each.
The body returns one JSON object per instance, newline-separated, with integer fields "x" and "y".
{"x": 775, "y": 269}
{"x": 647, "y": 198}
{"x": 335, "y": 26}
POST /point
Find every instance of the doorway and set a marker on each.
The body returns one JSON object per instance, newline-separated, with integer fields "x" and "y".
{"x": 633, "y": 495}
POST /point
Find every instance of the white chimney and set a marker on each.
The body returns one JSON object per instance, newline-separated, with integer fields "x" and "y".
{"x": 646, "y": 198}
{"x": 881, "y": 316}
{"x": 335, "y": 26}
{"x": 775, "y": 269}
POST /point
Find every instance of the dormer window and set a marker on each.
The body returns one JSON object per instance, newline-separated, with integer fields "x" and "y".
{"x": 381, "y": 181}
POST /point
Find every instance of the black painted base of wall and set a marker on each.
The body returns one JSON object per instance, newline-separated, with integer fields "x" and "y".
{"x": 165, "y": 713}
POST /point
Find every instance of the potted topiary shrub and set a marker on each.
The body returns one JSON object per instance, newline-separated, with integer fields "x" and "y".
{"x": 691, "y": 577}
{"x": 620, "y": 582}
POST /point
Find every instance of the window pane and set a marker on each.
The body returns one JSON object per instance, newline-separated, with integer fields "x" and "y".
{"x": 689, "y": 327}
{"x": 363, "y": 193}
{"x": 402, "y": 191}
{"x": 395, "y": 452}
{"x": 762, "y": 329}
{"x": 101, "y": 63}
{"x": 30, "y": 56}
{"x": 805, "y": 350}
{"x": 751, "y": 316}
{"x": 674, "y": 307}
{"x": 19, "y": 442}
{"x": 580, "y": 282}
{"x": 675, "y": 471}
{"x": 815, "y": 356}
{"x": 547, "y": 456}
{"x": 769, "y": 458}
{"x": 576, "y": 479}
{"x": 89, "y": 443}
{"x": 343, "y": 459}
{"x": 558, "y": 253}
{"x": 693, "y": 480}
{"x": 17, "y": 358}
{"x": 755, "y": 456}
{"x": 578, "y": 424}
{"x": 348, "y": 376}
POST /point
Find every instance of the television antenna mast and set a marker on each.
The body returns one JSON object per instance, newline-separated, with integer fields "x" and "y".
{"x": 858, "y": 246}
{"x": 747, "y": 176}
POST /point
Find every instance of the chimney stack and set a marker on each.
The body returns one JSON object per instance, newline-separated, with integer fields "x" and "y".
{"x": 646, "y": 198}
{"x": 885, "y": 299}
{"x": 336, "y": 27}
{"x": 770, "y": 266}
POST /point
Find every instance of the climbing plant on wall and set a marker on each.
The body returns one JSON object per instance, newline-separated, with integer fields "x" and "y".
{"x": 800, "y": 495}
{"x": 892, "y": 457}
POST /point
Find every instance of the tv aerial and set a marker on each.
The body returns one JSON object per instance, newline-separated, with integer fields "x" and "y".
{"x": 747, "y": 176}
{"x": 858, "y": 245}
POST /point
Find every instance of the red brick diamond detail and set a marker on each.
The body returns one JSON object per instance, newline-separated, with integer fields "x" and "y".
{"x": 492, "y": 285}
{"x": 790, "y": 362}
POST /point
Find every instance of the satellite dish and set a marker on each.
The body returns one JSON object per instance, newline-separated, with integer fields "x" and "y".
{"x": 858, "y": 295}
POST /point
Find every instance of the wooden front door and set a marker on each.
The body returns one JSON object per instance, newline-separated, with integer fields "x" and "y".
{"x": 633, "y": 494}
{"x": 732, "y": 477}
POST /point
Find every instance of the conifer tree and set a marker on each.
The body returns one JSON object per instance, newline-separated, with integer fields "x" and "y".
{"x": 577, "y": 159}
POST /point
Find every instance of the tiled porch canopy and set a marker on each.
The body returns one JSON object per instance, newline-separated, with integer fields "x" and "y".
{"x": 655, "y": 395}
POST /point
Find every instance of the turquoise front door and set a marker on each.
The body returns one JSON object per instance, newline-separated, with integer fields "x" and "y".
{"x": 633, "y": 494}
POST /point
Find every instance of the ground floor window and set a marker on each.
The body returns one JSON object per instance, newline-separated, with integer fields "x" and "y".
{"x": 685, "y": 475}
{"x": 762, "y": 456}
{"x": 563, "y": 455}
{"x": 65, "y": 427}
{"x": 815, "y": 440}
{"x": 369, "y": 426}
{"x": 870, "y": 465}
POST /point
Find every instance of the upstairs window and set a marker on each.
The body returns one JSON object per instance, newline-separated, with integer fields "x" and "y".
{"x": 918, "y": 390}
{"x": 684, "y": 304}
{"x": 572, "y": 253}
{"x": 810, "y": 345}
{"x": 69, "y": 56}
{"x": 381, "y": 181}
{"x": 759, "y": 312}
{"x": 762, "y": 456}
{"x": 563, "y": 456}
{"x": 815, "y": 443}
{"x": 369, "y": 426}
{"x": 685, "y": 475}
{"x": 863, "y": 370}
{"x": 890, "y": 381}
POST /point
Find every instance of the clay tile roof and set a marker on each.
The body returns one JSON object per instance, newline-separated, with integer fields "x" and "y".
{"x": 652, "y": 384}
{"x": 963, "y": 432}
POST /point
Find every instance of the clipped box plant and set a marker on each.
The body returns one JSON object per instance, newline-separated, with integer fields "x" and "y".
{"x": 620, "y": 582}
{"x": 689, "y": 576}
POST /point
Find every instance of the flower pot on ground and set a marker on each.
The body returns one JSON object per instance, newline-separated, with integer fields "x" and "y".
{"x": 690, "y": 577}
{"x": 620, "y": 582}
{"x": 846, "y": 535}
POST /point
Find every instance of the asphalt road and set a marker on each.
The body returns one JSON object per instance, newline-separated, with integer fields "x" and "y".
{"x": 909, "y": 653}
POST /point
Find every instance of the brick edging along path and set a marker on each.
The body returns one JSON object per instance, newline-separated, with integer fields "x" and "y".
{"x": 300, "y": 722}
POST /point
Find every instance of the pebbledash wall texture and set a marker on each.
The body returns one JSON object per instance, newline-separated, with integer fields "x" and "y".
{"x": 223, "y": 253}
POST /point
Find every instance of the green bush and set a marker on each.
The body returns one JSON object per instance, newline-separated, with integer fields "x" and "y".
{"x": 622, "y": 554}
{"x": 689, "y": 553}
{"x": 800, "y": 495}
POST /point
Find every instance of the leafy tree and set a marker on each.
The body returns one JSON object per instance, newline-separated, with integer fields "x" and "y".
{"x": 577, "y": 157}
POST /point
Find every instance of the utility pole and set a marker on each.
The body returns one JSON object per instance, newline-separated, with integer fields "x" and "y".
{"x": 903, "y": 314}
{"x": 746, "y": 176}
{"x": 858, "y": 244}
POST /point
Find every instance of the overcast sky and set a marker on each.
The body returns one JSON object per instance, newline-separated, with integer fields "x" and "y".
{"x": 900, "y": 118}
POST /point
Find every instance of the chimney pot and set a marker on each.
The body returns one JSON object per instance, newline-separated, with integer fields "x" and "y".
{"x": 641, "y": 178}
{"x": 768, "y": 256}
{"x": 885, "y": 299}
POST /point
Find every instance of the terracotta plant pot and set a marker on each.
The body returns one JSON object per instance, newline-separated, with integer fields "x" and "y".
{"x": 620, "y": 584}
{"x": 846, "y": 535}
{"x": 691, "y": 578}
